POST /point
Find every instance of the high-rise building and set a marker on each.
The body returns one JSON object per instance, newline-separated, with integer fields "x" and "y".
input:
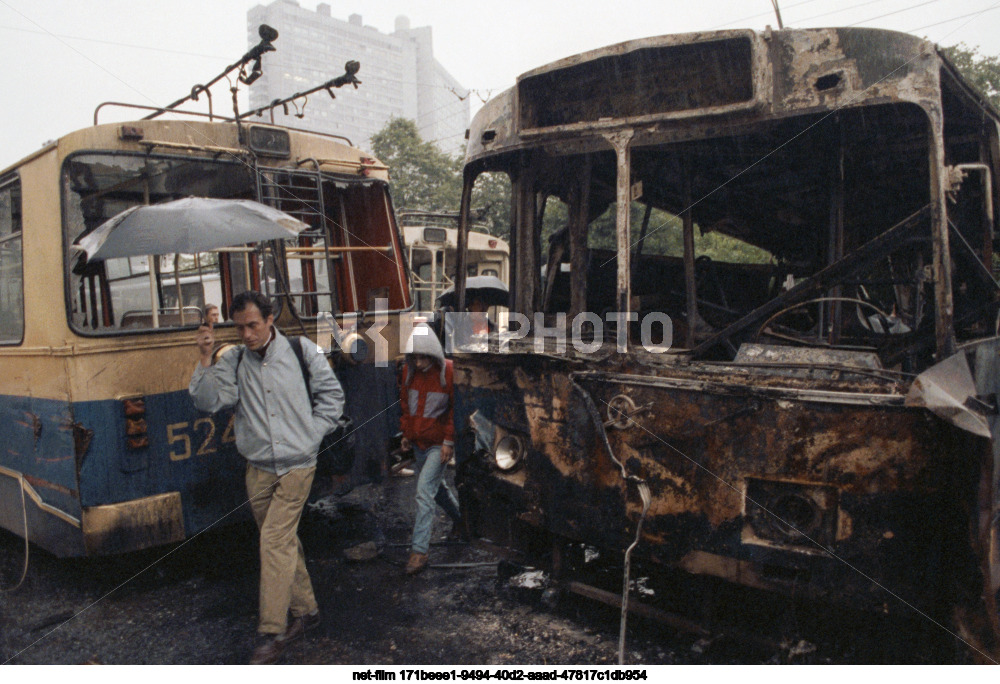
{"x": 400, "y": 77}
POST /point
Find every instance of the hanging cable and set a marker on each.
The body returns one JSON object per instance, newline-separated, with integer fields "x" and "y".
{"x": 644, "y": 495}
{"x": 647, "y": 499}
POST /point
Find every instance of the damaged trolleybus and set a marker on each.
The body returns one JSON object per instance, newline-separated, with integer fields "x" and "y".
{"x": 807, "y": 218}
{"x": 103, "y": 451}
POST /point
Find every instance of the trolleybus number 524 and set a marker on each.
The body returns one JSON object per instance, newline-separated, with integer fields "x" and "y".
{"x": 178, "y": 434}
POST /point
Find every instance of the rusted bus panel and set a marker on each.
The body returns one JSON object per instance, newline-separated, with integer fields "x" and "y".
{"x": 131, "y": 525}
{"x": 834, "y": 67}
{"x": 886, "y": 481}
{"x": 490, "y": 390}
{"x": 557, "y": 479}
{"x": 698, "y": 448}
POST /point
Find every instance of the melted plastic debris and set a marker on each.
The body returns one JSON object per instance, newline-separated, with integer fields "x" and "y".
{"x": 640, "y": 585}
{"x": 531, "y": 579}
{"x": 801, "y": 648}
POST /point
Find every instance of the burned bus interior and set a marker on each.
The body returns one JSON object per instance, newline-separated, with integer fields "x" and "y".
{"x": 840, "y": 199}
{"x": 814, "y": 212}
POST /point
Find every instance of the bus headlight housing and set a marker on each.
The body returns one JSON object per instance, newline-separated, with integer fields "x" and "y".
{"x": 509, "y": 452}
{"x": 355, "y": 347}
{"x": 791, "y": 514}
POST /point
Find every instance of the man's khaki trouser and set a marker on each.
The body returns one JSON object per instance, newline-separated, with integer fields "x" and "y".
{"x": 277, "y": 504}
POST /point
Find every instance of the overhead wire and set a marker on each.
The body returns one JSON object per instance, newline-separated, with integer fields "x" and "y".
{"x": 839, "y": 10}
{"x": 194, "y": 130}
{"x": 948, "y": 21}
{"x": 676, "y": 217}
{"x": 760, "y": 14}
{"x": 899, "y": 11}
{"x": 114, "y": 43}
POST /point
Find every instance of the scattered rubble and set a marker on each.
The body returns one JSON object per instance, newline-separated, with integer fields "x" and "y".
{"x": 197, "y": 605}
{"x": 362, "y": 552}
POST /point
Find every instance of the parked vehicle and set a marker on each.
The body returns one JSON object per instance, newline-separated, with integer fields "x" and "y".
{"x": 825, "y": 421}
{"x": 431, "y": 241}
{"x": 104, "y": 451}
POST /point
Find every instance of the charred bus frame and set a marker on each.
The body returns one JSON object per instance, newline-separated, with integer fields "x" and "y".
{"x": 825, "y": 423}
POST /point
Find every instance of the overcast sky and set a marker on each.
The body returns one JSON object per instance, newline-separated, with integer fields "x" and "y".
{"x": 61, "y": 58}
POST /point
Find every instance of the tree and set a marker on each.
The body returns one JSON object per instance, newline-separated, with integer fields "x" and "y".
{"x": 491, "y": 202}
{"x": 982, "y": 71}
{"x": 422, "y": 177}
{"x": 665, "y": 237}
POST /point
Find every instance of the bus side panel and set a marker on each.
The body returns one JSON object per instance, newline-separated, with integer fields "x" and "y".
{"x": 38, "y": 485}
{"x": 38, "y": 442}
{"x": 188, "y": 452}
{"x": 58, "y": 534}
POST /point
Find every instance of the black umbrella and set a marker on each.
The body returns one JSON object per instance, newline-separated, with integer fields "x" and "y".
{"x": 489, "y": 289}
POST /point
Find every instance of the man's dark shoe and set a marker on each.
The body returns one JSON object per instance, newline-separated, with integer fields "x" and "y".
{"x": 299, "y": 625}
{"x": 459, "y": 533}
{"x": 267, "y": 649}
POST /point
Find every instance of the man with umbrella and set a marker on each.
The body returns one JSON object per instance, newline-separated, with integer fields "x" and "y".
{"x": 284, "y": 407}
{"x": 283, "y": 410}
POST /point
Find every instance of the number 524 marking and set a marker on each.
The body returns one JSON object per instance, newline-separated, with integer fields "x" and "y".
{"x": 179, "y": 437}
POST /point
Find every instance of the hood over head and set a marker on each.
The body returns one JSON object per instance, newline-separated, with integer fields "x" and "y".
{"x": 423, "y": 341}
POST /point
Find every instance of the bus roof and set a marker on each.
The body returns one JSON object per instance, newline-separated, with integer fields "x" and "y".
{"x": 273, "y": 144}
{"x": 418, "y": 236}
{"x": 723, "y": 77}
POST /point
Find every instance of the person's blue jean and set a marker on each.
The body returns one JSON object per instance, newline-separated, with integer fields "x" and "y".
{"x": 431, "y": 488}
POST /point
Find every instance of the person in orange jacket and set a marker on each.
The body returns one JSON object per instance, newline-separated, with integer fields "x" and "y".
{"x": 427, "y": 397}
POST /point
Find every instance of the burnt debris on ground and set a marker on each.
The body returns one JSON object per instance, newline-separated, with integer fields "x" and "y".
{"x": 196, "y": 604}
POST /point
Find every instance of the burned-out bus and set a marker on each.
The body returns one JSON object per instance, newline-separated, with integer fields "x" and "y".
{"x": 806, "y": 219}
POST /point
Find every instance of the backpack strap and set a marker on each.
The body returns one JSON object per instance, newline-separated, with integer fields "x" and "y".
{"x": 296, "y": 344}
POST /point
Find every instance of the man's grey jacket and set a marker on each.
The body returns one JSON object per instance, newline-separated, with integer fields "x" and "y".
{"x": 277, "y": 427}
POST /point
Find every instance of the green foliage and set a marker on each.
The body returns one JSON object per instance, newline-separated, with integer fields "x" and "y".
{"x": 555, "y": 218}
{"x": 665, "y": 237}
{"x": 421, "y": 176}
{"x": 982, "y": 71}
{"x": 491, "y": 202}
